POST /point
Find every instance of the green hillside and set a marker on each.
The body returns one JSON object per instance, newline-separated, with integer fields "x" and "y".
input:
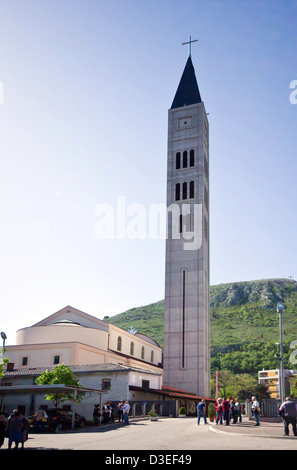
{"x": 244, "y": 323}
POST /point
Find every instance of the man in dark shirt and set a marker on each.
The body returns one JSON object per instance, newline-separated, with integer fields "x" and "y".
{"x": 226, "y": 408}
{"x": 288, "y": 412}
{"x": 201, "y": 411}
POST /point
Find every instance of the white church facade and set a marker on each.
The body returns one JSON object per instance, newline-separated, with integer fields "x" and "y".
{"x": 115, "y": 363}
{"x": 71, "y": 336}
{"x": 119, "y": 364}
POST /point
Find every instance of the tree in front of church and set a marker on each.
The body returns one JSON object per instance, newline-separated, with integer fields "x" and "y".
{"x": 242, "y": 386}
{"x": 2, "y": 364}
{"x": 61, "y": 374}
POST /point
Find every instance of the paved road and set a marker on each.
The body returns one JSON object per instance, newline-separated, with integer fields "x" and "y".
{"x": 167, "y": 434}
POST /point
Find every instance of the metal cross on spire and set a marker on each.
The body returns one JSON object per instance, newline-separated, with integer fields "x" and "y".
{"x": 190, "y": 43}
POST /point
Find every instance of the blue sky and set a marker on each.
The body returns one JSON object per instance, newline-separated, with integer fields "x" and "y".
{"x": 87, "y": 88}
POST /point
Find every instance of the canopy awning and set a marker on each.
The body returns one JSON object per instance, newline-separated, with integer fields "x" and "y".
{"x": 44, "y": 389}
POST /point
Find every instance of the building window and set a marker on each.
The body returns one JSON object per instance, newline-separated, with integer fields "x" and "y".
{"x": 152, "y": 356}
{"x": 177, "y": 161}
{"x": 192, "y": 158}
{"x": 106, "y": 384}
{"x": 185, "y": 159}
{"x": 142, "y": 352}
{"x": 56, "y": 359}
{"x": 119, "y": 345}
{"x": 185, "y": 190}
{"x": 192, "y": 189}
{"x": 177, "y": 192}
{"x": 24, "y": 361}
{"x": 132, "y": 349}
{"x": 145, "y": 384}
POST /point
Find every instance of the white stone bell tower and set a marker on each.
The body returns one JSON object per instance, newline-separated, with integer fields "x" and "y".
{"x": 186, "y": 323}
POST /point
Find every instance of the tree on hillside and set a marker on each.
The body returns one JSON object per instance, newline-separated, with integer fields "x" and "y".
{"x": 61, "y": 374}
{"x": 225, "y": 383}
{"x": 242, "y": 386}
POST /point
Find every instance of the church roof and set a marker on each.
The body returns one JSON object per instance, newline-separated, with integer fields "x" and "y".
{"x": 107, "y": 367}
{"x": 188, "y": 91}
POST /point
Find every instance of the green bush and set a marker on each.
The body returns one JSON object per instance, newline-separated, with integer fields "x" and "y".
{"x": 211, "y": 410}
{"x": 182, "y": 411}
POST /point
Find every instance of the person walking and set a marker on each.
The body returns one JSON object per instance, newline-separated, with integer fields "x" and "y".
{"x": 256, "y": 410}
{"x": 110, "y": 411}
{"x": 237, "y": 408}
{"x": 219, "y": 411}
{"x": 226, "y": 411}
{"x": 126, "y": 411}
{"x": 96, "y": 414}
{"x": 3, "y": 427}
{"x": 105, "y": 412}
{"x": 14, "y": 430}
{"x": 233, "y": 413}
{"x": 201, "y": 407}
{"x": 288, "y": 412}
{"x": 40, "y": 419}
{"x": 24, "y": 429}
{"x": 121, "y": 410}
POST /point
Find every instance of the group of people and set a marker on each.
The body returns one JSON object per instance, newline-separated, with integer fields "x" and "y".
{"x": 107, "y": 415}
{"x": 15, "y": 428}
{"x": 227, "y": 410}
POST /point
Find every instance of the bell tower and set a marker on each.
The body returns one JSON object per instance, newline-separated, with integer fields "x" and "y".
{"x": 186, "y": 319}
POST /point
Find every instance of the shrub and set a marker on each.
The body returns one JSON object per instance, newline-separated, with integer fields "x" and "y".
{"x": 211, "y": 410}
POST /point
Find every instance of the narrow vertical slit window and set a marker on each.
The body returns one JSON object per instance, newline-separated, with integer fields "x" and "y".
{"x": 183, "y": 316}
{"x": 180, "y": 223}
{"x": 185, "y": 159}
{"x": 185, "y": 190}
{"x": 192, "y": 189}
{"x": 192, "y": 158}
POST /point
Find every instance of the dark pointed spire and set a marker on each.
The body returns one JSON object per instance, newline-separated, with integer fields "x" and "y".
{"x": 188, "y": 91}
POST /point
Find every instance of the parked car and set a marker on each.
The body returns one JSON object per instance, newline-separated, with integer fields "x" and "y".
{"x": 58, "y": 418}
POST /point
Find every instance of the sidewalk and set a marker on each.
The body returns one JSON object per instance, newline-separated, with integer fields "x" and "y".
{"x": 248, "y": 428}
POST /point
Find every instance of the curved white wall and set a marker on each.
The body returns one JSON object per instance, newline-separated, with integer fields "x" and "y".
{"x": 62, "y": 333}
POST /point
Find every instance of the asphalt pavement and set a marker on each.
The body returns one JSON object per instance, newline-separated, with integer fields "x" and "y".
{"x": 166, "y": 435}
{"x": 247, "y": 427}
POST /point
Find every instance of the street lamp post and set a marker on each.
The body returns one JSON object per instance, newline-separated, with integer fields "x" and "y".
{"x": 4, "y": 337}
{"x": 280, "y": 309}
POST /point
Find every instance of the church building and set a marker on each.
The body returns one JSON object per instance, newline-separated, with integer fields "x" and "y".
{"x": 127, "y": 364}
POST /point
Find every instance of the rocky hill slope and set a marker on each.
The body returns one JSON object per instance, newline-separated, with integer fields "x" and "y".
{"x": 244, "y": 323}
